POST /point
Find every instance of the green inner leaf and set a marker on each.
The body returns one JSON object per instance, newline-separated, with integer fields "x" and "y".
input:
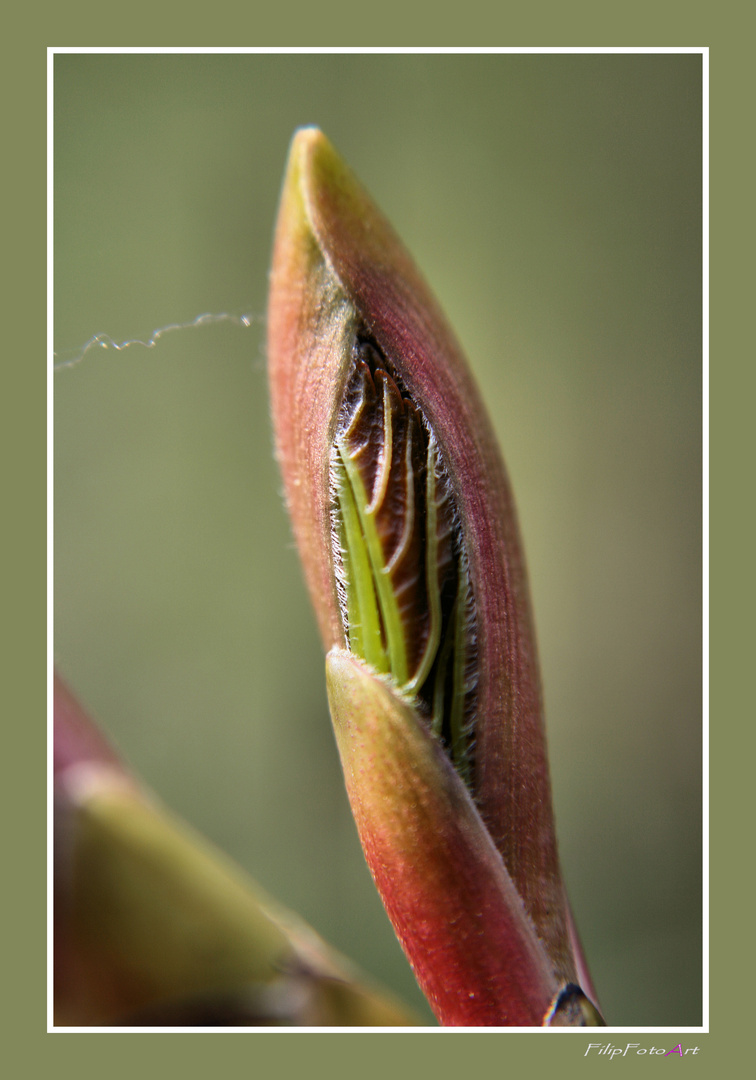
{"x": 367, "y": 559}
{"x": 365, "y": 634}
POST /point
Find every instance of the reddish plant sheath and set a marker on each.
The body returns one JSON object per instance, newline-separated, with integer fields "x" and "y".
{"x": 451, "y": 901}
{"x": 342, "y": 287}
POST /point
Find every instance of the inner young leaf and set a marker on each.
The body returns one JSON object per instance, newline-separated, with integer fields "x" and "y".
{"x": 403, "y": 577}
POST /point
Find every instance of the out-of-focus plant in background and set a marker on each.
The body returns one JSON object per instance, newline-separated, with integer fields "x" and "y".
{"x": 153, "y": 927}
{"x": 554, "y": 204}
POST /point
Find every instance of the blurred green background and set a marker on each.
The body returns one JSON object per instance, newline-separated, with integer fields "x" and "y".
{"x": 554, "y": 203}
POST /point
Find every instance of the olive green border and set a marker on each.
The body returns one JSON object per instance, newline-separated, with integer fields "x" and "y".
{"x": 23, "y": 431}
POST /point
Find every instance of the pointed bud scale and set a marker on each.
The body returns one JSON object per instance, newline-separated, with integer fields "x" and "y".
{"x": 403, "y": 515}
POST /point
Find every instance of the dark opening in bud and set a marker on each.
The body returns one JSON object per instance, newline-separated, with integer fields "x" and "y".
{"x": 404, "y": 585}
